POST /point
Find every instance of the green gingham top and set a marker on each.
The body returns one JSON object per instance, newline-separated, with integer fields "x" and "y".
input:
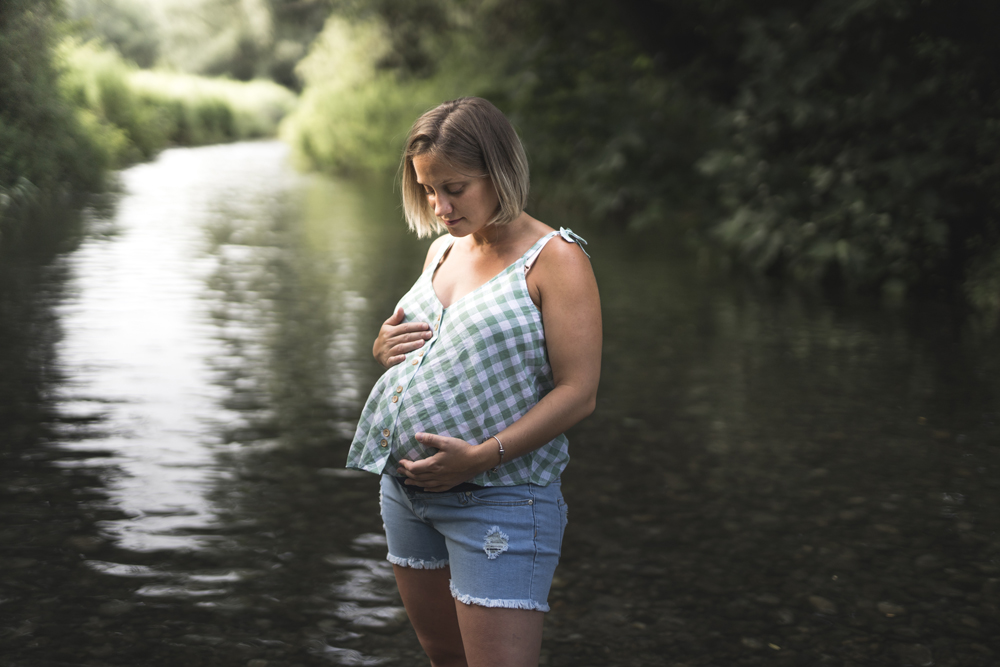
{"x": 483, "y": 368}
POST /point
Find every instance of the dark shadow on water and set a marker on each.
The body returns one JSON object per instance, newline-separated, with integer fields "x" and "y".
{"x": 769, "y": 478}
{"x": 772, "y": 478}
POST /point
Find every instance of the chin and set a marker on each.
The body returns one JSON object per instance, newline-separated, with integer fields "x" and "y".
{"x": 459, "y": 228}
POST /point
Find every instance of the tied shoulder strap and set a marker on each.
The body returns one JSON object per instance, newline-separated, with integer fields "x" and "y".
{"x": 568, "y": 235}
{"x": 572, "y": 237}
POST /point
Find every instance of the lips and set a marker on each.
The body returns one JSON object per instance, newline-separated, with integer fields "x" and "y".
{"x": 451, "y": 222}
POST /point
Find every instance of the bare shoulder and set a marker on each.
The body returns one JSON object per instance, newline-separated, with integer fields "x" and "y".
{"x": 560, "y": 255}
{"x": 435, "y": 248}
{"x": 563, "y": 271}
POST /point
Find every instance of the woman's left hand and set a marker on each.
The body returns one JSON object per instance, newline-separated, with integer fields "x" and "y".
{"x": 456, "y": 461}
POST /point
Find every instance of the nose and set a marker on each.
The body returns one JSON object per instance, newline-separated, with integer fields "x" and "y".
{"x": 442, "y": 205}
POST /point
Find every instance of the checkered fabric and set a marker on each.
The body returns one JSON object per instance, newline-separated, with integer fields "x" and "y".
{"x": 484, "y": 367}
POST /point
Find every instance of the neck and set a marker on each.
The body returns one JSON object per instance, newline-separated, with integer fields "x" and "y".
{"x": 495, "y": 237}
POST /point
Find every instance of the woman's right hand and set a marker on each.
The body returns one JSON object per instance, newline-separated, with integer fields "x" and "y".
{"x": 396, "y": 339}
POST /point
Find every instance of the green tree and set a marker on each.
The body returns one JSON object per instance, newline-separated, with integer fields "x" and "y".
{"x": 44, "y": 147}
{"x": 862, "y": 142}
{"x": 243, "y": 39}
{"x": 128, "y": 26}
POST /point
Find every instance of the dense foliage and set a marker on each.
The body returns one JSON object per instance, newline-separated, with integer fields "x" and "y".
{"x": 354, "y": 113}
{"x": 70, "y": 110}
{"x": 863, "y": 142}
{"x": 124, "y": 25}
{"x": 848, "y": 142}
{"x": 240, "y": 39}
{"x": 845, "y": 142}
{"x": 137, "y": 112}
{"x": 43, "y": 145}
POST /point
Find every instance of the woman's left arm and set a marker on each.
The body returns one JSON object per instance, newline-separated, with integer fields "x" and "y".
{"x": 562, "y": 283}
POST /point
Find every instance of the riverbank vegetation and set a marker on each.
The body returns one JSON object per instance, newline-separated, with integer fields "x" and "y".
{"x": 70, "y": 110}
{"x": 137, "y": 112}
{"x": 851, "y": 144}
{"x": 836, "y": 143}
{"x": 238, "y": 39}
{"x": 44, "y": 146}
{"x": 354, "y": 113}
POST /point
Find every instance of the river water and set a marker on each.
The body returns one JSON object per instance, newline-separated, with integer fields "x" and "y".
{"x": 770, "y": 477}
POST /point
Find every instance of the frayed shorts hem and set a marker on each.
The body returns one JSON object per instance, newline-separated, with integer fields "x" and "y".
{"x": 501, "y": 544}
{"x": 417, "y": 563}
{"x": 530, "y": 605}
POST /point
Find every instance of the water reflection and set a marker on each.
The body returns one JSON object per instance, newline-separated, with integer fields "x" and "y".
{"x": 769, "y": 477}
{"x": 138, "y": 344}
{"x": 205, "y": 343}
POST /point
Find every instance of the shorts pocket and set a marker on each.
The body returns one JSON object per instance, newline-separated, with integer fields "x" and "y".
{"x": 503, "y": 496}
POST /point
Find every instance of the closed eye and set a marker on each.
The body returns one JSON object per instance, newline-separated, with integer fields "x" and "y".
{"x": 454, "y": 193}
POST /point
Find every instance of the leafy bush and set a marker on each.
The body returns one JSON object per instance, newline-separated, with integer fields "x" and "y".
{"x": 70, "y": 112}
{"x": 863, "y": 142}
{"x": 128, "y": 26}
{"x": 611, "y": 140}
{"x": 205, "y": 110}
{"x": 137, "y": 112}
{"x": 45, "y": 149}
{"x": 96, "y": 80}
{"x": 354, "y": 115}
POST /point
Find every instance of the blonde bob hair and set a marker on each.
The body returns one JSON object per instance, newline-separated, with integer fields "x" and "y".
{"x": 477, "y": 140}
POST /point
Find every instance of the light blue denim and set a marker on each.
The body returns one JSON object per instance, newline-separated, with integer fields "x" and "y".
{"x": 502, "y": 543}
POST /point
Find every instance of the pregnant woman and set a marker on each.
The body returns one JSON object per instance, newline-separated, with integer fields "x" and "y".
{"x": 493, "y": 353}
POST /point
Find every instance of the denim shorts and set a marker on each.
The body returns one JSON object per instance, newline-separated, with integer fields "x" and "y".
{"x": 501, "y": 542}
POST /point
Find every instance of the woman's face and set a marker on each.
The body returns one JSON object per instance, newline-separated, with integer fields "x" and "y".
{"x": 463, "y": 204}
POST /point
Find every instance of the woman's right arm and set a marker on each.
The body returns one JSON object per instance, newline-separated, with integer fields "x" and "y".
{"x": 396, "y": 339}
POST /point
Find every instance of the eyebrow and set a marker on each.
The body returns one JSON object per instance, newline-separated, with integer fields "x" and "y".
{"x": 444, "y": 183}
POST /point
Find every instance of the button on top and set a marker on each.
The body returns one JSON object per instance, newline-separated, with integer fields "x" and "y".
{"x": 385, "y": 432}
{"x": 399, "y": 389}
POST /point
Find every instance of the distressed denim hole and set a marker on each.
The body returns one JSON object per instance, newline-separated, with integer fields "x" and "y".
{"x": 495, "y": 542}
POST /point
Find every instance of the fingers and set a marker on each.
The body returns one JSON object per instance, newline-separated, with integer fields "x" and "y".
{"x": 440, "y": 471}
{"x": 395, "y": 321}
{"x": 396, "y": 339}
{"x": 405, "y": 348}
{"x": 428, "y": 466}
{"x": 403, "y": 337}
{"x": 410, "y": 328}
{"x": 396, "y": 317}
{"x": 428, "y": 439}
{"x": 416, "y": 475}
{"x": 398, "y": 350}
{"x": 431, "y": 440}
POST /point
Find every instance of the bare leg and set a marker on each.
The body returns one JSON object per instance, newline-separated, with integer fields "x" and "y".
{"x": 427, "y": 598}
{"x": 499, "y": 637}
